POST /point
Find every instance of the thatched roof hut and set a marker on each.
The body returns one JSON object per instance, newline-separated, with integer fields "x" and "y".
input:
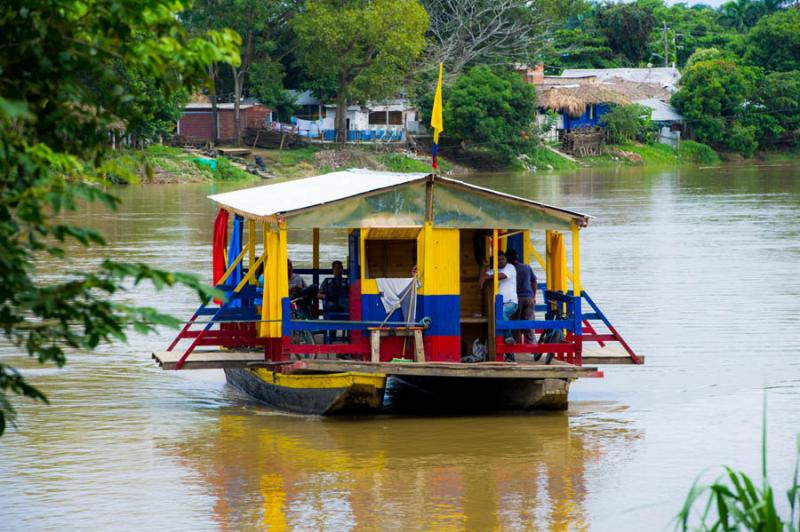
{"x": 573, "y": 95}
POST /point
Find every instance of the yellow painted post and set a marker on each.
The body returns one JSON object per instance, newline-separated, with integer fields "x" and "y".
{"x": 282, "y": 281}
{"x": 251, "y": 246}
{"x": 576, "y": 260}
{"x": 438, "y": 255}
{"x": 526, "y": 248}
{"x": 362, "y": 247}
{"x": 276, "y": 282}
{"x": 268, "y": 288}
{"x": 495, "y": 251}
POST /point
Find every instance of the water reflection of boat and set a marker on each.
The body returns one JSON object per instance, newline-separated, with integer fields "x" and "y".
{"x": 414, "y": 301}
{"x": 478, "y": 473}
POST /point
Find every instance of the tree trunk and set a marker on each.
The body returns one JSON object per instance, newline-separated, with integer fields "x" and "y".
{"x": 238, "y": 85}
{"x": 237, "y": 96}
{"x": 341, "y": 113}
{"x": 212, "y": 72}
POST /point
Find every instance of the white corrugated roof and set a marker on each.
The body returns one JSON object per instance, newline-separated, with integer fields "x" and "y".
{"x": 662, "y": 112}
{"x": 279, "y": 198}
{"x": 664, "y": 76}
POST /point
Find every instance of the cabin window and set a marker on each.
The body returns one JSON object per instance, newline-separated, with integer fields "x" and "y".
{"x": 382, "y": 118}
{"x": 390, "y": 258}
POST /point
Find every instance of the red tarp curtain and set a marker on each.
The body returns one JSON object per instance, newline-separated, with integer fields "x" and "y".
{"x": 218, "y": 246}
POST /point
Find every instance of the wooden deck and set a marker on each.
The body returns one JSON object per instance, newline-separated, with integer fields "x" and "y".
{"x": 235, "y": 359}
{"x": 485, "y": 370}
{"x": 612, "y": 353}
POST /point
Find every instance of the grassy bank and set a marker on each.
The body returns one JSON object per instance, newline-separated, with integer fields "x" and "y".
{"x": 164, "y": 164}
{"x": 690, "y": 152}
{"x": 307, "y": 161}
{"x": 542, "y": 158}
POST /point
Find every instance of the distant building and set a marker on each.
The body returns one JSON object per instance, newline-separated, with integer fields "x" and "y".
{"x": 197, "y": 122}
{"x": 580, "y": 97}
{"x": 664, "y": 77}
{"x": 373, "y": 121}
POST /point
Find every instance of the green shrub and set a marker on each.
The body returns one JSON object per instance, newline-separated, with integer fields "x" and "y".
{"x": 736, "y": 503}
{"x": 625, "y": 123}
{"x": 741, "y": 139}
{"x": 697, "y": 152}
{"x": 544, "y": 159}
{"x": 397, "y": 162}
{"x": 227, "y": 172}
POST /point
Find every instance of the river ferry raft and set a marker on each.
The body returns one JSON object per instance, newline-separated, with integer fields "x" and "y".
{"x": 415, "y": 310}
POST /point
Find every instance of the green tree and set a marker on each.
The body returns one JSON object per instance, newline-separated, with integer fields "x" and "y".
{"x": 578, "y": 48}
{"x": 59, "y": 96}
{"x": 688, "y": 29}
{"x": 625, "y": 123}
{"x": 263, "y": 27}
{"x": 154, "y": 110}
{"x": 775, "y": 109}
{"x": 494, "y": 110}
{"x": 712, "y": 98}
{"x": 740, "y": 15}
{"x": 627, "y": 27}
{"x": 367, "y": 47}
{"x": 774, "y": 43}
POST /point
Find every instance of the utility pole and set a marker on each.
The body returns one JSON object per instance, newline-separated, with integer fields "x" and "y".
{"x": 666, "y": 46}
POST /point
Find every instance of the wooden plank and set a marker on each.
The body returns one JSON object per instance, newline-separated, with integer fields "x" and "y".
{"x": 375, "y": 345}
{"x": 208, "y": 359}
{"x": 612, "y": 353}
{"x": 419, "y": 347}
{"x": 490, "y": 370}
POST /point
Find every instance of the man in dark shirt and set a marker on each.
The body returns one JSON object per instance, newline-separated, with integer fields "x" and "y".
{"x": 526, "y": 293}
{"x": 335, "y": 291}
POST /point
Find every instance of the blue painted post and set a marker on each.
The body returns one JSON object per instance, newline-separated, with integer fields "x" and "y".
{"x": 286, "y": 317}
{"x": 498, "y": 312}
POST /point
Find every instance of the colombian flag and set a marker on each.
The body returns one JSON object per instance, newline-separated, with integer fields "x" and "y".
{"x": 436, "y": 116}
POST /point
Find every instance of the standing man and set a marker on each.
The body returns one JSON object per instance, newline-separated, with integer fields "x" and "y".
{"x": 507, "y": 287}
{"x": 526, "y": 293}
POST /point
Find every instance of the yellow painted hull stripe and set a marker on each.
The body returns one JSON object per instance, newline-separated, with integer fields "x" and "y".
{"x": 321, "y": 381}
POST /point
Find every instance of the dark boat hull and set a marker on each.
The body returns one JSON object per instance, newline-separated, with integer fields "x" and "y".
{"x": 436, "y": 395}
{"x": 324, "y": 395}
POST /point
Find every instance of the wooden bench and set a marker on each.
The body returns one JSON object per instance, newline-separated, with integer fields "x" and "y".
{"x": 375, "y": 334}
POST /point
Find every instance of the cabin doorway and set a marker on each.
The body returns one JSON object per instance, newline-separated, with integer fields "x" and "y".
{"x": 475, "y": 306}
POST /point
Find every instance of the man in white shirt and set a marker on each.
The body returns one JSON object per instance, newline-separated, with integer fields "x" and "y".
{"x": 506, "y": 286}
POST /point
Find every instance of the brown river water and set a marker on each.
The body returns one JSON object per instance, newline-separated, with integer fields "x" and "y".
{"x": 698, "y": 268}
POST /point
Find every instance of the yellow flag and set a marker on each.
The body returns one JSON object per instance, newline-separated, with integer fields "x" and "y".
{"x": 436, "y": 115}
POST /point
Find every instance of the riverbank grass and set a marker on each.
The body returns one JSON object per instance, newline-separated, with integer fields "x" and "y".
{"x": 631, "y": 154}
{"x": 165, "y": 164}
{"x": 543, "y": 158}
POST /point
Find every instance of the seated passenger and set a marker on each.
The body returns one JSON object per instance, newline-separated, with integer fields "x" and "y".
{"x": 296, "y": 283}
{"x": 335, "y": 291}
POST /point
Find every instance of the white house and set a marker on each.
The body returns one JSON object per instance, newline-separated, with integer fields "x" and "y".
{"x": 384, "y": 120}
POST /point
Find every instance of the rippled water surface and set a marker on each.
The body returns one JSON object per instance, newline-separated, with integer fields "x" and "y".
{"x": 698, "y": 268}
